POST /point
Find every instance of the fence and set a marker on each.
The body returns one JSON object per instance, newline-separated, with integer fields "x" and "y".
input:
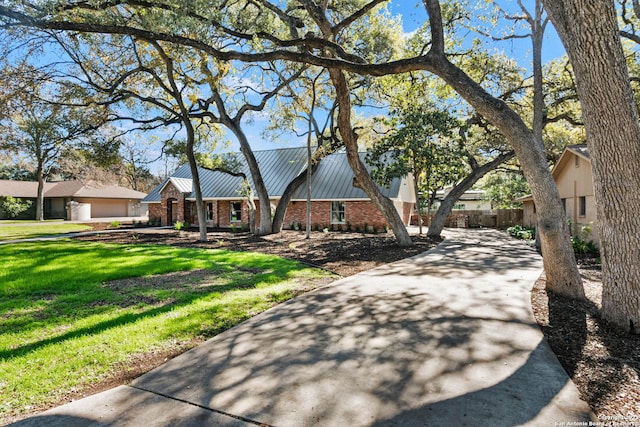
{"x": 500, "y": 218}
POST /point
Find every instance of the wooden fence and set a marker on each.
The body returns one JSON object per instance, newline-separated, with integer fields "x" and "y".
{"x": 499, "y": 218}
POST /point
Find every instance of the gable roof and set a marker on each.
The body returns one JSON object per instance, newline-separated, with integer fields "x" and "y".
{"x": 579, "y": 150}
{"x": 29, "y": 189}
{"x": 333, "y": 180}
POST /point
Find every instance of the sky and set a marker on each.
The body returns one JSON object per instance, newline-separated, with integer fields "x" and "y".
{"x": 413, "y": 16}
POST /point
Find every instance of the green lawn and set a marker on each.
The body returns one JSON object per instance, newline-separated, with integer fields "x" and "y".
{"x": 65, "y": 324}
{"x": 28, "y": 230}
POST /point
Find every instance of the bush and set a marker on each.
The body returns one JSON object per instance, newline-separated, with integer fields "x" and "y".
{"x": 12, "y": 207}
{"x": 179, "y": 225}
{"x": 581, "y": 246}
{"x": 115, "y": 224}
{"x": 521, "y": 232}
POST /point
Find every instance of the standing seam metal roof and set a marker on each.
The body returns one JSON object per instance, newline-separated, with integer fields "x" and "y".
{"x": 333, "y": 180}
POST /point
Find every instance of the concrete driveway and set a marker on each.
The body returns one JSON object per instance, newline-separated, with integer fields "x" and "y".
{"x": 446, "y": 338}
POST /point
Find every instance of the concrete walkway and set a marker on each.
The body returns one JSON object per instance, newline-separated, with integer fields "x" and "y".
{"x": 443, "y": 339}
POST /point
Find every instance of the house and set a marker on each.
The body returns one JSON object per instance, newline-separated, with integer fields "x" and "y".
{"x": 336, "y": 201}
{"x": 573, "y": 177}
{"x": 77, "y": 200}
{"x": 471, "y": 200}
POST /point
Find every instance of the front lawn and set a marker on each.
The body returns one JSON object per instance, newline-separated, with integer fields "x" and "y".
{"x": 72, "y": 313}
{"x": 22, "y": 230}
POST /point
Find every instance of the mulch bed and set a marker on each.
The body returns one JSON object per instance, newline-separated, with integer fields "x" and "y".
{"x": 603, "y": 362}
{"x": 340, "y": 252}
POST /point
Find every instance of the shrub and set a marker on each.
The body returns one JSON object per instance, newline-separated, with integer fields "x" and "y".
{"x": 115, "y": 224}
{"x": 521, "y": 232}
{"x": 581, "y": 246}
{"x": 12, "y": 207}
{"x": 179, "y": 225}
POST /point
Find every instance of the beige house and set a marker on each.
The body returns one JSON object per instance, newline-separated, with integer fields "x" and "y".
{"x": 471, "y": 200}
{"x": 77, "y": 200}
{"x": 574, "y": 179}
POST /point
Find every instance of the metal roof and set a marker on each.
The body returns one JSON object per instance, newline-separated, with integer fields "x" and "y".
{"x": 333, "y": 180}
{"x": 184, "y": 185}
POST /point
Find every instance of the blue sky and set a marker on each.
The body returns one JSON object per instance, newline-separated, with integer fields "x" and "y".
{"x": 413, "y": 16}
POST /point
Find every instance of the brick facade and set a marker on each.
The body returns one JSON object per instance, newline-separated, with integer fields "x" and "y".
{"x": 169, "y": 194}
{"x": 357, "y": 213}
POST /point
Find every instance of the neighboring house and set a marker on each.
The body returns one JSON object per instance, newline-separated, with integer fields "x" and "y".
{"x": 471, "y": 200}
{"x": 78, "y": 200}
{"x": 574, "y": 180}
{"x": 335, "y": 200}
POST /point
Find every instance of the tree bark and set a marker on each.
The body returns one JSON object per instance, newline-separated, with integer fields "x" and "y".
{"x": 283, "y": 203}
{"x": 589, "y": 32}
{"x": 558, "y": 257}
{"x": 265, "y": 227}
{"x": 349, "y": 137}
{"x": 40, "y": 195}
{"x": 559, "y": 260}
{"x": 363, "y": 178}
{"x": 440, "y": 218}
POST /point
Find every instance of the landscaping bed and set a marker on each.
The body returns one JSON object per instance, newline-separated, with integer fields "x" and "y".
{"x": 340, "y": 252}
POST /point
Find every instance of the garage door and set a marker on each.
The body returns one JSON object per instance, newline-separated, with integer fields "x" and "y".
{"x": 108, "y": 208}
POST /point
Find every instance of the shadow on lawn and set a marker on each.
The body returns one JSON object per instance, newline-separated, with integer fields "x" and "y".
{"x": 66, "y": 303}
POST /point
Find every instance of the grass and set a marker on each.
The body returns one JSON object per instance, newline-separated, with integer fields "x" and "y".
{"x": 69, "y": 315}
{"x": 30, "y": 230}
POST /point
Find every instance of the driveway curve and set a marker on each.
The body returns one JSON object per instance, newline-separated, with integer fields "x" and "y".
{"x": 446, "y": 338}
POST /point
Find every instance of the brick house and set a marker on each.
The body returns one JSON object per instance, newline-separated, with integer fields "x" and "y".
{"x": 336, "y": 202}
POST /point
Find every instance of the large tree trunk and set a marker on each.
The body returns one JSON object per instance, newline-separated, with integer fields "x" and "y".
{"x": 559, "y": 260}
{"x": 265, "y": 227}
{"x": 362, "y": 175}
{"x": 589, "y": 32}
{"x": 440, "y": 218}
{"x": 349, "y": 137}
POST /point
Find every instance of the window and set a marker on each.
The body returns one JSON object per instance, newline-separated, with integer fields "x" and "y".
{"x": 337, "y": 212}
{"x": 583, "y": 206}
{"x": 236, "y": 212}
{"x": 564, "y": 205}
{"x": 209, "y": 208}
